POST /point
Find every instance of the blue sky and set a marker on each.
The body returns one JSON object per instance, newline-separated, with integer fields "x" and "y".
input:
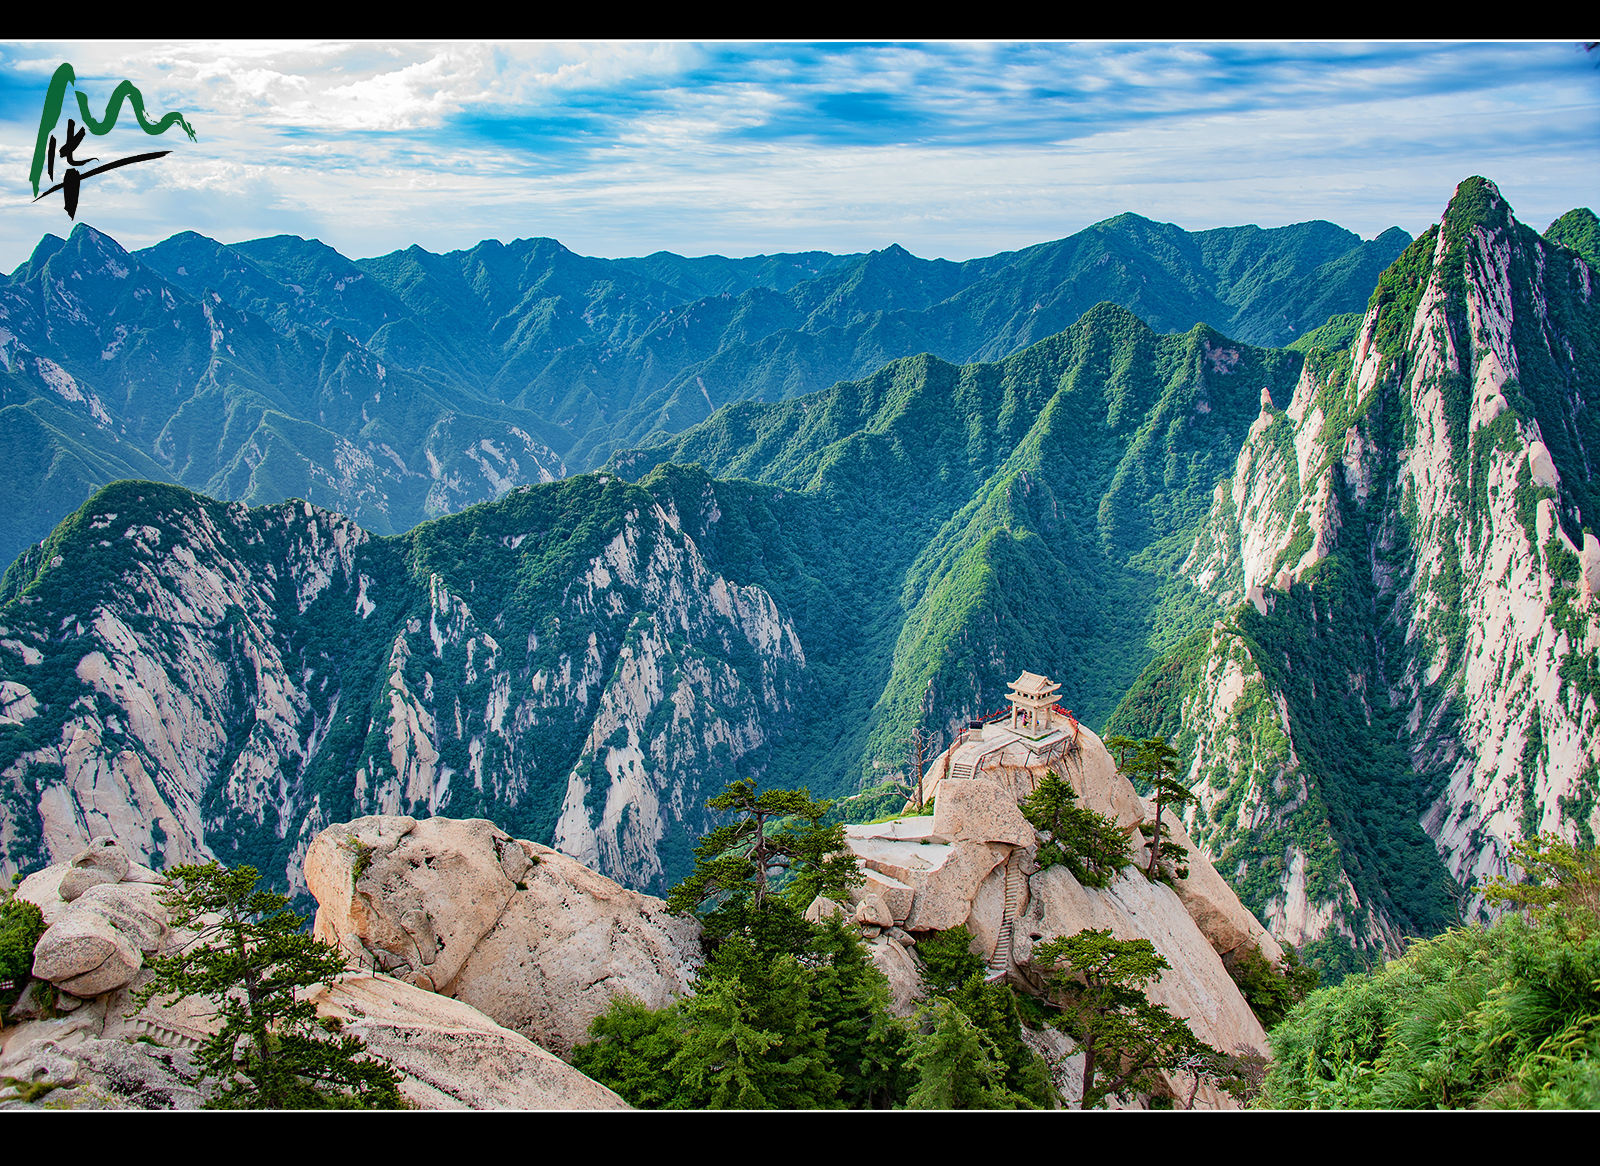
{"x": 952, "y": 149}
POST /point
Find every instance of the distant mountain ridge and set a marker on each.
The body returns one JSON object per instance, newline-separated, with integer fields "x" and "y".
{"x": 400, "y": 388}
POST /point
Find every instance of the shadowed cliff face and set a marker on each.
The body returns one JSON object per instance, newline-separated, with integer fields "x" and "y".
{"x": 1408, "y": 666}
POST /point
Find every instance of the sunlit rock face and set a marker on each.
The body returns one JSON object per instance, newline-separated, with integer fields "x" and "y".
{"x": 201, "y": 680}
{"x": 1407, "y": 548}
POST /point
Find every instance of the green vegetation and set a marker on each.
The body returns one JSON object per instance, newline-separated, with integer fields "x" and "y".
{"x": 1152, "y": 765}
{"x": 1270, "y": 991}
{"x": 1505, "y": 1016}
{"x": 251, "y": 959}
{"x": 1098, "y": 983}
{"x": 970, "y": 1053}
{"x": 779, "y": 838}
{"x": 785, "y": 1014}
{"x": 1338, "y": 333}
{"x": 791, "y": 1014}
{"x": 1089, "y": 844}
{"x": 1578, "y": 230}
{"x": 21, "y": 925}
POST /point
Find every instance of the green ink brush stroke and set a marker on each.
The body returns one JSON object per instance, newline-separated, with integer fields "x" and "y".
{"x": 55, "y": 96}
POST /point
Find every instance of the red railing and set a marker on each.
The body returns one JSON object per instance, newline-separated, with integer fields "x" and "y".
{"x": 1006, "y": 712}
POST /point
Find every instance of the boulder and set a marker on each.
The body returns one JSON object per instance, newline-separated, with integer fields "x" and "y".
{"x": 873, "y": 911}
{"x": 102, "y": 862}
{"x": 896, "y": 896}
{"x": 905, "y": 981}
{"x": 97, "y": 942}
{"x": 980, "y": 810}
{"x": 424, "y": 891}
{"x": 134, "y": 909}
{"x": 945, "y": 893}
{"x": 822, "y": 908}
{"x": 85, "y": 954}
{"x": 530, "y": 937}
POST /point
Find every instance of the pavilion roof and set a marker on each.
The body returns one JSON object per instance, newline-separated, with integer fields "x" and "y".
{"x": 1032, "y": 684}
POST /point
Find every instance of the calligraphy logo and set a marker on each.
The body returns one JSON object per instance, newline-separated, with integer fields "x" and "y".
{"x": 47, "y": 150}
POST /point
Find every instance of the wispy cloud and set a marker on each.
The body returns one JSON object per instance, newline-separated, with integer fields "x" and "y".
{"x": 948, "y": 148}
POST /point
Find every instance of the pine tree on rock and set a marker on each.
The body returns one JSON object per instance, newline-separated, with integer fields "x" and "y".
{"x": 1091, "y": 845}
{"x": 779, "y": 833}
{"x": 1156, "y": 761}
{"x": 250, "y": 957}
{"x": 1097, "y": 983}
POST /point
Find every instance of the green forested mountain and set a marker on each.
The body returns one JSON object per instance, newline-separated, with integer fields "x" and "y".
{"x": 1402, "y": 685}
{"x": 1577, "y": 230}
{"x": 585, "y": 660}
{"x": 1353, "y": 579}
{"x": 1028, "y": 509}
{"x": 400, "y": 388}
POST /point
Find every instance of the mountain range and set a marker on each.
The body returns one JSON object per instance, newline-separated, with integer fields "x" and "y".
{"x": 409, "y": 386}
{"x": 843, "y": 498}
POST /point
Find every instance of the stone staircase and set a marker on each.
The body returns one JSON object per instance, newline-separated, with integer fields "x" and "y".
{"x": 1000, "y": 961}
{"x": 963, "y": 770}
{"x": 167, "y": 1034}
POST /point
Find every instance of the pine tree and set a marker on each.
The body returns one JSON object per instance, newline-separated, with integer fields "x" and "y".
{"x": 955, "y": 1066}
{"x": 21, "y": 925}
{"x": 1091, "y": 845}
{"x": 1098, "y": 984}
{"x": 778, "y": 834}
{"x": 1156, "y": 761}
{"x": 251, "y": 958}
{"x": 751, "y": 1037}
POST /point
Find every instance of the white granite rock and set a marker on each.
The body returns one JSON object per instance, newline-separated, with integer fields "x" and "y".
{"x": 979, "y": 810}
{"x": 527, "y": 935}
{"x": 103, "y": 861}
{"x": 85, "y": 954}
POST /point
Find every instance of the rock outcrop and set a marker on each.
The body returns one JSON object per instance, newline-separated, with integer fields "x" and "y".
{"x": 100, "y": 928}
{"x": 452, "y": 1056}
{"x": 971, "y": 864}
{"x": 93, "y": 1048}
{"x": 448, "y": 1054}
{"x": 530, "y": 937}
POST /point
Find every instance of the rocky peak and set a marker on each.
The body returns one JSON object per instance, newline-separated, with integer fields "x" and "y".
{"x": 1412, "y": 537}
{"x": 973, "y": 862}
{"x": 1577, "y": 230}
{"x": 1477, "y": 202}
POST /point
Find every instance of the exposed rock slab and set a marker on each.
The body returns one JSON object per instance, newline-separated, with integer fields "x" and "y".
{"x": 450, "y": 1055}
{"x": 1214, "y": 907}
{"x": 981, "y": 811}
{"x": 1197, "y": 987}
{"x": 532, "y": 938}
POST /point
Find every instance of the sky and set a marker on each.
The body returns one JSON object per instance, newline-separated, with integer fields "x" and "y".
{"x": 950, "y": 149}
